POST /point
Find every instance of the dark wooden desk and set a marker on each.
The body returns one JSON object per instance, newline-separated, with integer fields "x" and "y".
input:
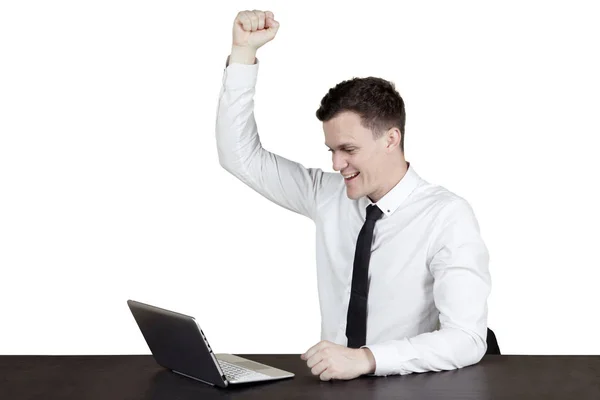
{"x": 139, "y": 377}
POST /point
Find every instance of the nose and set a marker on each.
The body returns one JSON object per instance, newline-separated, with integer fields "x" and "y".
{"x": 339, "y": 162}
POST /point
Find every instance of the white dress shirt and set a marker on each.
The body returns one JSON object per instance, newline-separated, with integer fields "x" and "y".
{"x": 429, "y": 276}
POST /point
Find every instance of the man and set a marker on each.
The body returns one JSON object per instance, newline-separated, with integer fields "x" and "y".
{"x": 402, "y": 270}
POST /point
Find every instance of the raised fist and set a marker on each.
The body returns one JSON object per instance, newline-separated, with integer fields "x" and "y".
{"x": 252, "y": 29}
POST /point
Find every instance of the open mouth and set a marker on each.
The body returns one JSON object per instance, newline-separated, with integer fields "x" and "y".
{"x": 348, "y": 178}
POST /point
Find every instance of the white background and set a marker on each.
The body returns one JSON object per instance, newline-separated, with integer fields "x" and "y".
{"x": 110, "y": 186}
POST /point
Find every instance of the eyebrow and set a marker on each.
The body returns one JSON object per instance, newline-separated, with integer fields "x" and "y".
{"x": 342, "y": 146}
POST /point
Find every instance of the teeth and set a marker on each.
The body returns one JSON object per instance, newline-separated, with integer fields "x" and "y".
{"x": 350, "y": 176}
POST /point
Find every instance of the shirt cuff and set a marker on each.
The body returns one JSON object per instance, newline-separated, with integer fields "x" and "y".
{"x": 390, "y": 356}
{"x": 238, "y": 75}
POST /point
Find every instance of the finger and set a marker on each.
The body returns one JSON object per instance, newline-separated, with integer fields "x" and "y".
{"x": 317, "y": 347}
{"x": 261, "y": 19}
{"x": 308, "y": 353}
{"x": 315, "y": 359}
{"x": 319, "y": 368}
{"x": 325, "y": 376}
{"x": 244, "y": 21}
{"x": 271, "y": 24}
{"x": 254, "y": 21}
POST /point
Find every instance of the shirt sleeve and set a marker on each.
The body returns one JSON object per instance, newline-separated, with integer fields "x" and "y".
{"x": 284, "y": 182}
{"x": 462, "y": 283}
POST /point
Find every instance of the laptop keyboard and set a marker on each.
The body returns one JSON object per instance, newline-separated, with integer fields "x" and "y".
{"x": 234, "y": 373}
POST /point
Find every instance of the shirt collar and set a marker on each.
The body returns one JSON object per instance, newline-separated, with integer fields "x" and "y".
{"x": 396, "y": 196}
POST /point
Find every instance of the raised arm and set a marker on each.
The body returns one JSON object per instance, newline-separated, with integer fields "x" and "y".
{"x": 284, "y": 182}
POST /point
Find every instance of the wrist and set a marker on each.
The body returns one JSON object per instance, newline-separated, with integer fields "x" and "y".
{"x": 242, "y": 55}
{"x": 370, "y": 364}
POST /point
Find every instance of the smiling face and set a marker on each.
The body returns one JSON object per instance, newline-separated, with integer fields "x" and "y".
{"x": 359, "y": 157}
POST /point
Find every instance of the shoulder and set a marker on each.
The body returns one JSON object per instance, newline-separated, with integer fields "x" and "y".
{"x": 447, "y": 210}
{"x": 441, "y": 199}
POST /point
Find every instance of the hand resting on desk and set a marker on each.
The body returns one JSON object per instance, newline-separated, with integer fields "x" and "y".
{"x": 333, "y": 361}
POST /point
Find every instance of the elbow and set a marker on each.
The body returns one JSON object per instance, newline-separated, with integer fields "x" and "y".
{"x": 226, "y": 159}
{"x": 473, "y": 351}
{"x": 233, "y": 165}
{"x": 225, "y": 164}
{"x": 480, "y": 350}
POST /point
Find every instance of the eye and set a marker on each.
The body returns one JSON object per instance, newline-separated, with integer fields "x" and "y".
{"x": 349, "y": 151}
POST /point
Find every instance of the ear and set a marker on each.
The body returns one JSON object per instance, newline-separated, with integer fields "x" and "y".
{"x": 393, "y": 137}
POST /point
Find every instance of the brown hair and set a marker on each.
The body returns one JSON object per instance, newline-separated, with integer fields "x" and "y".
{"x": 375, "y": 100}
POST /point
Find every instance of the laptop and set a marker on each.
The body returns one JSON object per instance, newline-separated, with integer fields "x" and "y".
{"x": 177, "y": 343}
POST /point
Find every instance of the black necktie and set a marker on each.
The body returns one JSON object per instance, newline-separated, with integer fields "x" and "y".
{"x": 356, "y": 326}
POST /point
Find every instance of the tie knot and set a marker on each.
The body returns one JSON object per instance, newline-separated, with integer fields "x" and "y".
{"x": 374, "y": 213}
